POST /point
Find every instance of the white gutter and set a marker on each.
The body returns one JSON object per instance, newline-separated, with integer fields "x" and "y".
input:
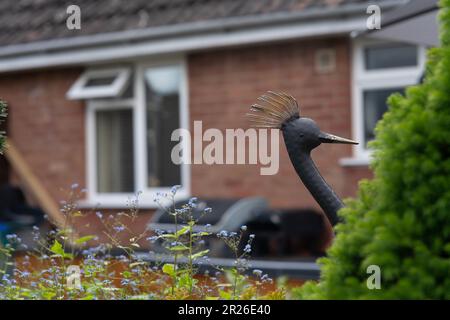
{"x": 185, "y": 37}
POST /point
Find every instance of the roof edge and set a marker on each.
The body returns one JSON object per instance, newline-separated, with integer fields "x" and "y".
{"x": 179, "y": 30}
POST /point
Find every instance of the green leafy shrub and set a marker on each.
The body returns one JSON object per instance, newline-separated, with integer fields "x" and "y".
{"x": 2, "y": 117}
{"x": 401, "y": 219}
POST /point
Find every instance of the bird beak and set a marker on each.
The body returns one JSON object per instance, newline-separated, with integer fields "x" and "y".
{"x": 331, "y": 138}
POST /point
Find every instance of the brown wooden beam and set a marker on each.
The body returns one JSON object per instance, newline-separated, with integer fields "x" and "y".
{"x": 33, "y": 185}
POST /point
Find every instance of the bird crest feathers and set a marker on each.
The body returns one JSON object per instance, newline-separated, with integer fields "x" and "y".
{"x": 272, "y": 110}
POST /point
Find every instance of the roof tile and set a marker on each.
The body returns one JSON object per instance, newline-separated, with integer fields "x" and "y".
{"x": 24, "y": 21}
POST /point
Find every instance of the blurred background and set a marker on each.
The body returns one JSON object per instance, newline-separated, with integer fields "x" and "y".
{"x": 95, "y": 92}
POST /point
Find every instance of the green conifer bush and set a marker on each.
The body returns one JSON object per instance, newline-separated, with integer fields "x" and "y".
{"x": 400, "y": 220}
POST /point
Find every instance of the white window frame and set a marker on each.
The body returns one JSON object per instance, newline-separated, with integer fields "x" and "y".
{"x": 363, "y": 79}
{"x": 138, "y": 104}
{"x": 116, "y": 88}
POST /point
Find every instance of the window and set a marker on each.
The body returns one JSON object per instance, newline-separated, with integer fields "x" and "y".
{"x": 379, "y": 70}
{"x": 114, "y": 141}
{"x": 374, "y": 106}
{"x": 129, "y": 136}
{"x": 100, "y": 83}
{"x": 163, "y": 117}
{"x": 390, "y": 56}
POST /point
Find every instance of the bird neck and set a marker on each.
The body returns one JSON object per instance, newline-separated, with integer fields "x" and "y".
{"x": 314, "y": 182}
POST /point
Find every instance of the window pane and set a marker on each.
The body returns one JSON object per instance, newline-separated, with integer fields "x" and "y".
{"x": 390, "y": 56}
{"x": 115, "y": 169}
{"x": 374, "y": 107}
{"x": 163, "y": 102}
{"x": 100, "y": 81}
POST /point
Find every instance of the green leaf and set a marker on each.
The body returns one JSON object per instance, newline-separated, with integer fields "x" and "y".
{"x": 169, "y": 269}
{"x": 225, "y": 295}
{"x": 58, "y": 251}
{"x": 201, "y": 234}
{"x": 140, "y": 263}
{"x": 84, "y": 239}
{"x": 200, "y": 254}
{"x": 179, "y": 248}
{"x": 186, "y": 281}
{"x": 57, "y": 248}
{"x": 126, "y": 274}
{"x": 167, "y": 236}
{"x": 182, "y": 231}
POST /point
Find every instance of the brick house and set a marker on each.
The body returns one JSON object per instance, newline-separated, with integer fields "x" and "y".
{"x": 96, "y": 106}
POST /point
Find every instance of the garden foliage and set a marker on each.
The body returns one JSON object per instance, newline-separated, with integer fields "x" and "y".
{"x": 116, "y": 268}
{"x": 401, "y": 219}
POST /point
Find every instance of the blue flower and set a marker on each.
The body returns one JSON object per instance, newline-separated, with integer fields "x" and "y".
{"x": 119, "y": 228}
{"x": 152, "y": 239}
{"x": 174, "y": 189}
{"x": 13, "y": 238}
{"x": 176, "y": 243}
{"x": 25, "y": 274}
{"x": 222, "y": 234}
{"x": 207, "y": 210}
{"x": 192, "y": 202}
{"x": 257, "y": 272}
{"x": 248, "y": 248}
{"x": 99, "y": 214}
{"x": 244, "y": 228}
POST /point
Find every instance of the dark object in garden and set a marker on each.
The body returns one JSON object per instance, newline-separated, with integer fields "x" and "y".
{"x": 16, "y": 214}
{"x": 288, "y": 233}
{"x": 301, "y": 136}
{"x": 229, "y": 214}
{"x": 15, "y": 209}
{"x": 277, "y": 231}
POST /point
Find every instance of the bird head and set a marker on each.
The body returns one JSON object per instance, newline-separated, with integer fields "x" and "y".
{"x": 280, "y": 110}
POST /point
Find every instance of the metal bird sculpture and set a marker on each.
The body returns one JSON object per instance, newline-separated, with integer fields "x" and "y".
{"x": 301, "y": 135}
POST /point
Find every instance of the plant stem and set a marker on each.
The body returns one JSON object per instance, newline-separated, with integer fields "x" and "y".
{"x": 235, "y": 276}
{"x": 175, "y": 258}
{"x": 191, "y": 271}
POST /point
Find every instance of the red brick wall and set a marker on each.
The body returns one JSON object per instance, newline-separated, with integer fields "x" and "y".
{"x": 47, "y": 129}
{"x": 224, "y": 83}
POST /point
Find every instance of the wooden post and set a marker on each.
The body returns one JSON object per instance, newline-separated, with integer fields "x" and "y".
{"x": 33, "y": 185}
